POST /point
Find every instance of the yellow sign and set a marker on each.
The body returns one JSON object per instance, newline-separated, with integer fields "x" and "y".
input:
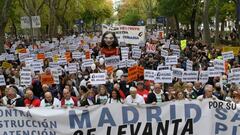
{"x": 55, "y": 58}
{"x": 6, "y": 65}
{"x": 183, "y": 44}
{"x": 234, "y": 49}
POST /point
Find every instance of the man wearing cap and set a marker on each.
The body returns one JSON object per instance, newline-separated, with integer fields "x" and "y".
{"x": 134, "y": 98}
{"x": 141, "y": 91}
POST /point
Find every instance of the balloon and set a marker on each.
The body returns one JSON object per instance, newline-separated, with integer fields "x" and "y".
{"x": 93, "y": 66}
{"x": 119, "y": 73}
{"x": 101, "y": 61}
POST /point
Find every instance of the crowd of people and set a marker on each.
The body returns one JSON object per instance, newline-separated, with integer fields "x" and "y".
{"x": 76, "y": 90}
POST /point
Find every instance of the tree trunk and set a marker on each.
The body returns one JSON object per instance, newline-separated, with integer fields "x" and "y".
{"x": 238, "y": 17}
{"x": 206, "y": 30}
{"x": 177, "y": 26}
{"x": 193, "y": 18}
{"x": 4, "y": 15}
{"x": 216, "y": 40}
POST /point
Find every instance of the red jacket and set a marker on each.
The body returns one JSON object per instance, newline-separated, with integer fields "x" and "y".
{"x": 75, "y": 100}
{"x": 143, "y": 93}
{"x": 35, "y": 102}
{"x": 110, "y": 52}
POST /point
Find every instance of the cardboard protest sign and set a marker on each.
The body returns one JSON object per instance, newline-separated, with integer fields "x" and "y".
{"x": 62, "y": 61}
{"x": 36, "y": 66}
{"x": 183, "y": 44}
{"x": 163, "y": 76}
{"x": 132, "y": 73}
{"x": 177, "y": 72}
{"x": 160, "y": 67}
{"x": 235, "y": 75}
{"x": 131, "y": 63}
{"x": 87, "y": 63}
{"x": 40, "y": 56}
{"x": 149, "y": 74}
{"x": 76, "y": 55}
{"x": 112, "y": 61}
{"x": 189, "y": 65}
{"x": 122, "y": 64}
{"x": 98, "y": 78}
{"x": 47, "y": 79}
{"x": 190, "y": 76}
{"x": 176, "y": 52}
{"x": 25, "y": 77}
{"x": 10, "y": 57}
{"x": 136, "y": 53}
{"x": 48, "y": 54}
{"x": 228, "y": 55}
{"x": 219, "y": 65}
{"x": 203, "y": 76}
{"x": 124, "y": 53}
{"x": 151, "y": 48}
{"x": 171, "y": 60}
{"x": 2, "y": 81}
{"x": 72, "y": 68}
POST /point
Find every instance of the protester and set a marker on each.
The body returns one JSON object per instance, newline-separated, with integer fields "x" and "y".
{"x": 114, "y": 97}
{"x": 83, "y": 99}
{"x": 30, "y": 99}
{"x": 50, "y": 101}
{"x": 12, "y": 99}
{"x": 141, "y": 91}
{"x": 157, "y": 96}
{"x": 208, "y": 93}
{"x": 103, "y": 96}
{"x": 68, "y": 101}
{"x": 134, "y": 98}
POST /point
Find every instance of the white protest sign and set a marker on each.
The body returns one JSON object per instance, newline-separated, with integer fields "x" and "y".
{"x": 87, "y": 62}
{"x": 176, "y": 52}
{"x": 190, "y": 76}
{"x": 22, "y": 56}
{"x": 228, "y": 55}
{"x": 36, "y": 66}
{"x": 171, "y": 60}
{"x": 76, "y": 55}
{"x": 230, "y": 77}
{"x": 2, "y": 80}
{"x": 160, "y": 67}
{"x": 10, "y": 57}
{"x": 2, "y": 57}
{"x": 174, "y": 47}
{"x": 122, "y": 64}
{"x": 36, "y": 22}
{"x": 163, "y": 76}
{"x": 112, "y": 61}
{"x": 48, "y": 54}
{"x": 164, "y": 53}
{"x": 26, "y": 78}
{"x": 98, "y": 78}
{"x": 25, "y": 22}
{"x": 53, "y": 64}
{"x": 149, "y": 74}
{"x": 62, "y": 61}
{"x": 72, "y": 68}
{"x": 219, "y": 65}
{"x": 124, "y": 53}
{"x": 235, "y": 75}
{"x": 203, "y": 76}
{"x": 136, "y": 53}
{"x": 151, "y": 48}
{"x": 55, "y": 74}
{"x": 213, "y": 73}
{"x": 127, "y": 34}
{"x": 189, "y": 65}
{"x": 177, "y": 72}
{"x": 131, "y": 63}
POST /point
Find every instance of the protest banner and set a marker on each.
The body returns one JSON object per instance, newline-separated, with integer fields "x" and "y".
{"x": 122, "y": 64}
{"x": 127, "y": 34}
{"x": 219, "y": 65}
{"x": 151, "y": 48}
{"x": 163, "y": 76}
{"x": 177, "y": 72}
{"x": 25, "y": 77}
{"x": 189, "y": 65}
{"x": 149, "y": 74}
{"x": 228, "y": 55}
{"x": 171, "y": 60}
{"x": 203, "y": 76}
{"x": 190, "y": 76}
{"x": 170, "y": 118}
{"x": 2, "y": 81}
{"x": 47, "y": 79}
{"x": 98, "y": 78}
{"x": 112, "y": 61}
{"x": 132, "y": 74}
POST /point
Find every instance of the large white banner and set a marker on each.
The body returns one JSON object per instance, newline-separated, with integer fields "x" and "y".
{"x": 171, "y": 118}
{"x": 127, "y": 34}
